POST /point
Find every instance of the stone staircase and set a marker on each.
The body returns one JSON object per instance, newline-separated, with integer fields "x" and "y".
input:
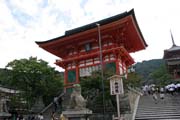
{"x": 167, "y": 109}
{"x": 47, "y": 111}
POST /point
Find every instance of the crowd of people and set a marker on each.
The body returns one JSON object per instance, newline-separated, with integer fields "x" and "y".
{"x": 28, "y": 117}
{"x": 161, "y": 91}
{"x": 170, "y": 88}
{"x": 40, "y": 117}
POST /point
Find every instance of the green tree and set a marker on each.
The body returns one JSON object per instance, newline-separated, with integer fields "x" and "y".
{"x": 145, "y": 68}
{"x": 35, "y": 78}
{"x": 4, "y": 76}
{"x": 161, "y": 76}
{"x": 92, "y": 89}
{"x": 133, "y": 80}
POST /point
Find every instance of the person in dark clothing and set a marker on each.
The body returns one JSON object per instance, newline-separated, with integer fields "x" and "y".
{"x": 53, "y": 116}
{"x": 60, "y": 102}
{"x": 20, "y": 117}
{"x": 55, "y": 103}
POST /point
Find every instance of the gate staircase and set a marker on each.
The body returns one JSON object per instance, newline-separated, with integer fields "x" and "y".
{"x": 166, "y": 109}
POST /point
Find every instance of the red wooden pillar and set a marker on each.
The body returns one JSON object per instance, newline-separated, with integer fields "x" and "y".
{"x": 117, "y": 67}
{"x": 117, "y": 64}
{"x": 65, "y": 76}
{"x": 77, "y": 73}
{"x": 126, "y": 71}
{"x": 122, "y": 67}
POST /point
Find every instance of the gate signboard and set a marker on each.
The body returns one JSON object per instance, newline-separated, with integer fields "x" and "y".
{"x": 116, "y": 85}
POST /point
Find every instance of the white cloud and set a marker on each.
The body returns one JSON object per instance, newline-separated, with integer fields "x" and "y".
{"x": 25, "y": 22}
{"x": 156, "y": 18}
{"x": 30, "y": 7}
{"x": 104, "y": 8}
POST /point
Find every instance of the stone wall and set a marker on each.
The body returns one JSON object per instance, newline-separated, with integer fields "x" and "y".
{"x": 134, "y": 96}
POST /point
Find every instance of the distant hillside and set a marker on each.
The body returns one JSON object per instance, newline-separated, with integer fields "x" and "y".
{"x": 145, "y": 68}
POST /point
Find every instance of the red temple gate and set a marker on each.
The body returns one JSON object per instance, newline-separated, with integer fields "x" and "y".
{"x": 78, "y": 49}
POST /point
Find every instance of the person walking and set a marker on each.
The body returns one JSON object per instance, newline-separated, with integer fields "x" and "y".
{"x": 53, "y": 116}
{"x": 60, "y": 101}
{"x": 172, "y": 90}
{"x": 62, "y": 117}
{"x": 154, "y": 94}
{"x": 40, "y": 116}
{"x": 55, "y": 102}
{"x": 145, "y": 90}
{"x": 162, "y": 93}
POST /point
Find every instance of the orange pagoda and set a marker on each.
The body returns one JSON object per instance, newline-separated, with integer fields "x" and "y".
{"x": 172, "y": 59}
{"x": 113, "y": 39}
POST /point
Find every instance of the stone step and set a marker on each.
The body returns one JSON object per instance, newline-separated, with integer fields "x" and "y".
{"x": 168, "y": 109}
{"x": 165, "y": 101}
{"x": 158, "y": 114}
{"x": 160, "y": 101}
{"x": 160, "y": 104}
{"x": 158, "y": 118}
{"x": 159, "y": 109}
{"x": 155, "y": 112}
{"x": 152, "y": 115}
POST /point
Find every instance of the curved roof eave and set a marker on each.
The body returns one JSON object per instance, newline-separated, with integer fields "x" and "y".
{"x": 93, "y": 25}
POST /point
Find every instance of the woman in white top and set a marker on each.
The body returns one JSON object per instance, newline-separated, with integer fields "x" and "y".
{"x": 162, "y": 93}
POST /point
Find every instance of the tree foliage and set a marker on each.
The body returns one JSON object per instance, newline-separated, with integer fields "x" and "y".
{"x": 133, "y": 80}
{"x": 153, "y": 72}
{"x": 145, "y": 68}
{"x": 4, "y": 77}
{"x": 92, "y": 89}
{"x": 161, "y": 76}
{"x": 35, "y": 78}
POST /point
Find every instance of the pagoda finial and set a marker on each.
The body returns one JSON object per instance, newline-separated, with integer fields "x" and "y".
{"x": 172, "y": 39}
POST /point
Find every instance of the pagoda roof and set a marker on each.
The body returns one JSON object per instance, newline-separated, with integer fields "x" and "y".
{"x": 173, "y": 48}
{"x": 172, "y": 52}
{"x": 50, "y": 45}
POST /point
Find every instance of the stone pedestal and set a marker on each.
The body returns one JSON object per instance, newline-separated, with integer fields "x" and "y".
{"x": 77, "y": 114}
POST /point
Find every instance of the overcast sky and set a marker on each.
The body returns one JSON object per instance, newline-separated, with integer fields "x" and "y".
{"x": 22, "y": 22}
